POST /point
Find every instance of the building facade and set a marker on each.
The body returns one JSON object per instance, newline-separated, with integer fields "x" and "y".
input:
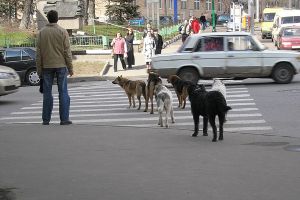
{"x": 185, "y": 8}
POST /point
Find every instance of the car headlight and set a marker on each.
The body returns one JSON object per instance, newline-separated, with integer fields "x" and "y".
{"x": 4, "y": 75}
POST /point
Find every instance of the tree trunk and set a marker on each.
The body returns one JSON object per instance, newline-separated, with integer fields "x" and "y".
{"x": 86, "y": 15}
{"x": 91, "y": 12}
{"x": 25, "y": 22}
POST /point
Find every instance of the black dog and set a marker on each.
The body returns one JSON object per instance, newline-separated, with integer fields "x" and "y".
{"x": 209, "y": 105}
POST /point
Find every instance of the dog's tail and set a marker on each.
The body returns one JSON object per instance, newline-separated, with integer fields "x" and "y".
{"x": 227, "y": 108}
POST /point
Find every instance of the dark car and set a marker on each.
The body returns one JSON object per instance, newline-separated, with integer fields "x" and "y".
{"x": 223, "y": 19}
{"x": 22, "y": 60}
{"x": 289, "y": 38}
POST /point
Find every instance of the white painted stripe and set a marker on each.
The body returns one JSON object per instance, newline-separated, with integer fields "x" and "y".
{"x": 119, "y": 109}
{"x": 229, "y": 129}
{"x": 234, "y": 100}
{"x": 114, "y": 104}
{"x": 238, "y": 95}
{"x": 121, "y": 119}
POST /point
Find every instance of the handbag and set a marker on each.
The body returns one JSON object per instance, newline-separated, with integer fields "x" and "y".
{"x": 41, "y": 85}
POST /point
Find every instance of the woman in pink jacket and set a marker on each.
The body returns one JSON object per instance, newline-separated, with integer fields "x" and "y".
{"x": 119, "y": 50}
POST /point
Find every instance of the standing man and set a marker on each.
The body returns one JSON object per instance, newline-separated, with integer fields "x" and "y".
{"x": 54, "y": 58}
{"x": 158, "y": 41}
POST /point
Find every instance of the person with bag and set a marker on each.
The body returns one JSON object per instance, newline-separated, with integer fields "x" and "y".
{"x": 54, "y": 59}
{"x": 130, "y": 60}
{"x": 119, "y": 50}
{"x": 149, "y": 48}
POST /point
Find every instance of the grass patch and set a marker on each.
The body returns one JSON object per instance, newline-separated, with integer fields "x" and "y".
{"x": 87, "y": 68}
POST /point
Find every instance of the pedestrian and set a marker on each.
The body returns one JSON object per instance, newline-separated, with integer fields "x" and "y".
{"x": 130, "y": 60}
{"x": 148, "y": 29}
{"x": 119, "y": 50}
{"x": 203, "y": 22}
{"x": 195, "y": 25}
{"x": 158, "y": 42}
{"x": 185, "y": 30}
{"x": 54, "y": 58}
{"x": 149, "y": 48}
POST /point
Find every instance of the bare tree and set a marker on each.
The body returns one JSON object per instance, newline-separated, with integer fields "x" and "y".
{"x": 25, "y": 22}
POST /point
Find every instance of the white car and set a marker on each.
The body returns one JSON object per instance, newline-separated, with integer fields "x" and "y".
{"x": 235, "y": 55}
{"x": 9, "y": 80}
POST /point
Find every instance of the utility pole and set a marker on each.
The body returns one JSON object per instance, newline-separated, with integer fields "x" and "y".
{"x": 251, "y": 14}
{"x": 290, "y": 3}
{"x": 213, "y": 17}
{"x": 257, "y": 10}
{"x": 175, "y": 12}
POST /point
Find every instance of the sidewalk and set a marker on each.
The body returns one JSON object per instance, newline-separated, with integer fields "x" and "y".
{"x": 139, "y": 69}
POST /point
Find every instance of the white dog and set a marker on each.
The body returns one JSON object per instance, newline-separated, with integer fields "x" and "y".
{"x": 218, "y": 85}
{"x": 164, "y": 101}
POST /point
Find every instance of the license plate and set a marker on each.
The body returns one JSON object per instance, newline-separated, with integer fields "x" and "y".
{"x": 295, "y": 47}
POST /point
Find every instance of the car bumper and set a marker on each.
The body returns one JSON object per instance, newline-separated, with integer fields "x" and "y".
{"x": 8, "y": 86}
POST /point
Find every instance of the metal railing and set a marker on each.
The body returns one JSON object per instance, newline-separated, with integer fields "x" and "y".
{"x": 86, "y": 41}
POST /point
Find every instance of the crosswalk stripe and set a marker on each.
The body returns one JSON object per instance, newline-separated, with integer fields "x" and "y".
{"x": 108, "y": 105}
{"x": 126, "y": 114}
{"x": 117, "y": 109}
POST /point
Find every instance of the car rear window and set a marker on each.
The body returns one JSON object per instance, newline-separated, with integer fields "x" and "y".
{"x": 13, "y": 55}
{"x": 291, "y": 32}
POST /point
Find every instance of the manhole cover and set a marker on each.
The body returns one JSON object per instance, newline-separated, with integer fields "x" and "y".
{"x": 268, "y": 143}
{"x": 295, "y": 148}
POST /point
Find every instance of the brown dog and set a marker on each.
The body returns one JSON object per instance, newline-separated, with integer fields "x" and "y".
{"x": 153, "y": 80}
{"x": 180, "y": 86}
{"x": 132, "y": 88}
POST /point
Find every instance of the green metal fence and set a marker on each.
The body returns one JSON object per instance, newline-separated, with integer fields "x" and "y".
{"x": 86, "y": 41}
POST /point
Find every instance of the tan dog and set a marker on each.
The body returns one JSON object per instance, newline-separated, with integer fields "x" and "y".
{"x": 180, "y": 86}
{"x": 153, "y": 80}
{"x": 132, "y": 88}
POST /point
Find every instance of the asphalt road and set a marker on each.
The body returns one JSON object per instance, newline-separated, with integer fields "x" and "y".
{"x": 112, "y": 152}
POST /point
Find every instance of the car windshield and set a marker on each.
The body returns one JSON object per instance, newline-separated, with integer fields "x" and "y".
{"x": 268, "y": 17}
{"x": 291, "y": 32}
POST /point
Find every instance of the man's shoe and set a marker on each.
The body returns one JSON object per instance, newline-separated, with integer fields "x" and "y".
{"x": 65, "y": 122}
{"x": 45, "y": 123}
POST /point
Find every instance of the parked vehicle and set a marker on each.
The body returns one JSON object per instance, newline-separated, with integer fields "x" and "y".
{"x": 230, "y": 26}
{"x": 223, "y": 19}
{"x": 22, "y": 60}
{"x": 9, "y": 80}
{"x": 235, "y": 55}
{"x": 284, "y": 18}
{"x": 289, "y": 38}
{"x": 267, "y": 21}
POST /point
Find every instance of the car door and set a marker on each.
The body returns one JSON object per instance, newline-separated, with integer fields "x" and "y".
{"x": 209, "y": 56}
{"x": 243, "y": 58}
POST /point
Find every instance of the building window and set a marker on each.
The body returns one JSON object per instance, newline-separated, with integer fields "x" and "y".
{"x": 197, "y": 4}
{"x": 208, "y": 4}
{"x": 170, "y": 4}
{"x": 183, "y": 4}
{"x": 220, "y": 7}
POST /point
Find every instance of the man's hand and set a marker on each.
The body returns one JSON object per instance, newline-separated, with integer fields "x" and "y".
{"x": 71, "y": 73}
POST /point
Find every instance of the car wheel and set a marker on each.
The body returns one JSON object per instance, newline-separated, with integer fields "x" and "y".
{"x": 283, "y": 73}
{"x": 263, "y": 36}
{"x": 189, "y": 74}
{"x": 32, "y": 78}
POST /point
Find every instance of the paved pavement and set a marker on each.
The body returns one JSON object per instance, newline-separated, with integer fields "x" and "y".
{"x": 139, "y": 70}
{"x": 113, "y": 162}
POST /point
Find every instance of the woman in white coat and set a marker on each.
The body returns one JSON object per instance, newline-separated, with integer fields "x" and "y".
{"x": 149, "y": 48}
